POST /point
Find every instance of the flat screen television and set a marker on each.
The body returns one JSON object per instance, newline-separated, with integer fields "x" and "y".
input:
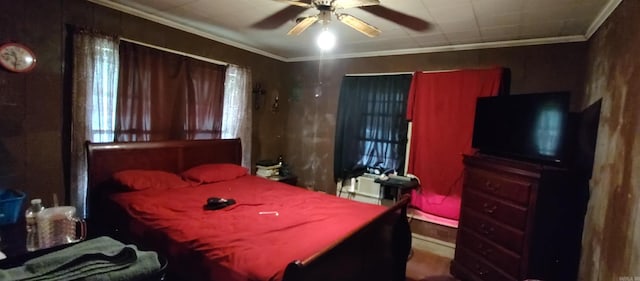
{"x": 526, "y": 126}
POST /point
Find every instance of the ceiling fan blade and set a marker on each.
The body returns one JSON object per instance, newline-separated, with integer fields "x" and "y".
{"x": 345, "y": 4}
{"x": 403, "y": 19}
{"x": 303, "y": 25}
{"x": 279, "y": 18}
{"x": 359, "y": 25}
{"x": 296, "y": 3}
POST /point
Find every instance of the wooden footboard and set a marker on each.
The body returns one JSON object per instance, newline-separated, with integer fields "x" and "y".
{"x": 377, "y": 251}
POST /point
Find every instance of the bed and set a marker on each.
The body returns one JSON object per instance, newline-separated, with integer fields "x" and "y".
{"x": 274, "y": 231}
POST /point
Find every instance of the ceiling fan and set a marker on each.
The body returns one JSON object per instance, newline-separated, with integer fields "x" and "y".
{"x": 327, "y": 8}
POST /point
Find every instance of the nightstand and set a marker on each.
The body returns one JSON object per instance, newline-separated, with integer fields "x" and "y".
{"x": 288, "y": 179}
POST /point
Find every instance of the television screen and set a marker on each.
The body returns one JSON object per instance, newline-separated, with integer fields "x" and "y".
{"x": 530, "y": 126}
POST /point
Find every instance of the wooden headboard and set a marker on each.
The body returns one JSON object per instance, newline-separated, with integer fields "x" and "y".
{"x": 104, "y": 159}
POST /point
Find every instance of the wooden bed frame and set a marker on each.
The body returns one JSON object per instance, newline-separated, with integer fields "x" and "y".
{"x": 377, "y": 251}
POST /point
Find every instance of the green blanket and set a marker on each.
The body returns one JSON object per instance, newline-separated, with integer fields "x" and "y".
{"x": 102, "y": 258}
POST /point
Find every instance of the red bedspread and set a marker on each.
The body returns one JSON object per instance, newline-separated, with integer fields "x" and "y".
{"x": 238, "y": 242}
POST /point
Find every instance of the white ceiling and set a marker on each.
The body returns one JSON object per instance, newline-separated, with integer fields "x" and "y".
{"x": 455, "y": 25}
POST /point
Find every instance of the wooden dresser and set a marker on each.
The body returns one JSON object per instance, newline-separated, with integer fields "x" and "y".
{"x": 518, "y": 220}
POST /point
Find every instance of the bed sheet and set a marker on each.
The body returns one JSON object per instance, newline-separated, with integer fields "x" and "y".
{"x": 271, "y": 224}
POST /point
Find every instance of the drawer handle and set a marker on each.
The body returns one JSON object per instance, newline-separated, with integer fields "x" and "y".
{"x": 489, "y": 208}
{"x": 491, "y": 186}
{"x": 486, "y": 230}
{"x": 484, "y": 251}
{"x": 480, "y": 270}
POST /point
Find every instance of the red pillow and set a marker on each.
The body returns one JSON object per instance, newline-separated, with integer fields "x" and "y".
{"x": 135, "y": 180}
{"x": 208, "y": 173}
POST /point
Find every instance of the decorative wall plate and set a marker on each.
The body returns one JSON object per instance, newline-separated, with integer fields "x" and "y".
{"x": 17, "y": 57}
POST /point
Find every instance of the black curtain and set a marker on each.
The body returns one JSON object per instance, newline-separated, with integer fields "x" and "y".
{"x": 371, "y": 128}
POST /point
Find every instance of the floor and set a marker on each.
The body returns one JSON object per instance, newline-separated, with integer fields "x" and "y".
{"x": 439, "y": 232}
{"x": 426, "y": 266}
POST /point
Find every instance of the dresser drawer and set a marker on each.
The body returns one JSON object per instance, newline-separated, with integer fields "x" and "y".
{"x": 498, "y": 185}
{"x": 513, "y": 215}
{"x": 477, "y": 266}
{"x": 500, "y": 257}
{"x": 486, "y": 228}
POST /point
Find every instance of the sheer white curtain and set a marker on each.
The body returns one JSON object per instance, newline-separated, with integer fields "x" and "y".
{"x": 94, "y": 90}
{"x": 236, "y": 118}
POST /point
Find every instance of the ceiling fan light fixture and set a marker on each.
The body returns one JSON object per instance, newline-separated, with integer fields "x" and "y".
{"x": 326, "y": 40}
{"x": 359, "y": 25}
{"x": 302, "y": 25}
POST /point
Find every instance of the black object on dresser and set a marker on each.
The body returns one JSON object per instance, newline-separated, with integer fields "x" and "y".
{"x": 518, "y": 220}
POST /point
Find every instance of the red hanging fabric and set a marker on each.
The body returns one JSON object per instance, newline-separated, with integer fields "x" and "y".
{"x": 166, "y": 96}
{"x": 441, "y": 107}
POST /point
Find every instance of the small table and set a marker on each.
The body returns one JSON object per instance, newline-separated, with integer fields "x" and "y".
{"x": 13, "y": 236}
{"x": 288, "y": 179}
{"x": 400, "y": 186}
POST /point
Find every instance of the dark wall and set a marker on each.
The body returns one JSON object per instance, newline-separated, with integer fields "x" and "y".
{"x": 31, "y": 104}
{"x": 611, "y": 239}
{"x": 34, "y": 107}
{"x": 314, "y": 91}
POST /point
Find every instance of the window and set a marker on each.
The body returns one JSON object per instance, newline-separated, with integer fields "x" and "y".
{"x": 94, "y": 90}
{"x": 104, "y": 93}
{"x": 165, "y": 96}
{"x": 236, "y": 116}
{"x": 371, "y": 129}
{"x": 112, "y": 100}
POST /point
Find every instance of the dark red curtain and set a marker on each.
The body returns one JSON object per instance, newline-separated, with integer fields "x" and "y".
{"x": 164, "y": 96}
{"x": 204, "y": 100}
{"x": 441, "y": 107}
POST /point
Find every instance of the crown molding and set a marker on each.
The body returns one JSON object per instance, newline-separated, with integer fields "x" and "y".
{"x": 179, "y": 26}
{"x": 602, "y": 17}
{"x": 449, "y": 48}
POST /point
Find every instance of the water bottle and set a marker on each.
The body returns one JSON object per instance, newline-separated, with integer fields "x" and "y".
{"x": 32, "y": 227}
